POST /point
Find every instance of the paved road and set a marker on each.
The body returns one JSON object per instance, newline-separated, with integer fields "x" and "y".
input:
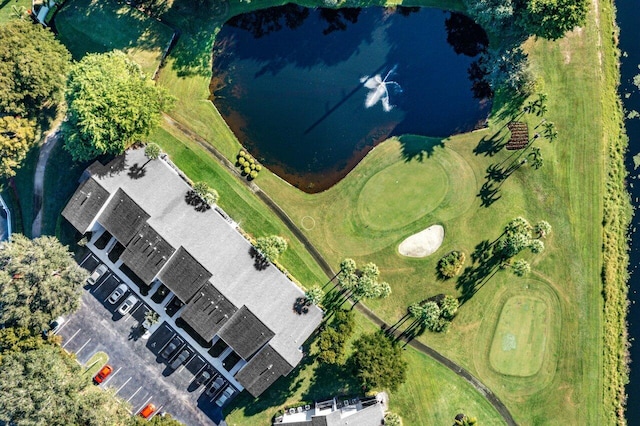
{"x": 466, "y": 375}
{"x": 49, "y": 143}
{"x": 139, "y": 375}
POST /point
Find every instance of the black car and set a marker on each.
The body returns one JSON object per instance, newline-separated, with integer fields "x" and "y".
{"x": 203, "y": 378}
{"x": 169, "y": 350}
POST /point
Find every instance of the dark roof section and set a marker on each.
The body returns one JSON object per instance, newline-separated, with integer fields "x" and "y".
{"x": 85, "y": 205}
{"x": 519, "y": 135}
{"x": 123, "y": 217}
{"x": 208, "y": 311}
{"x": 184, "y": 275}
{"x": 147, "y": 253}
{"x": 262, "y": 370}
{"x": 245, "y": 333}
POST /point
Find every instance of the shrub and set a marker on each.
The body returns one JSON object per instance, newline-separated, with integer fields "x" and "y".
{"x": 451, "y": 264}
{"x": 248, "y": 166}
{"x": 392, "y": 419}
{"x": 333, "y": 338}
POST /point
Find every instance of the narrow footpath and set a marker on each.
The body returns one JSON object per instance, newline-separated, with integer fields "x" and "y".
{"x": 419, "y": 346}
{"x": 49, "y": 143}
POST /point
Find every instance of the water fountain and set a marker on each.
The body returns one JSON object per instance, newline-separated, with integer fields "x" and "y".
{"x": 378, "y": 91}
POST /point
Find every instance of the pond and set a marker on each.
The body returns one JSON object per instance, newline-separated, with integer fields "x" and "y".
{"x": 628, "y": 17}
{"x": 310, "y": 91}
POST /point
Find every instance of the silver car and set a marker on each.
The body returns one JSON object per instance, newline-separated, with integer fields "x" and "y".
{"x": 128, "y": 303}
{"x": 228, "y": 392}
{"x": 96, "y": 274}
{"x": 117, "y": 293}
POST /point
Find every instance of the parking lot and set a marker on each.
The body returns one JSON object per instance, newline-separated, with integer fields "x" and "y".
{"x": 140, "y": 374}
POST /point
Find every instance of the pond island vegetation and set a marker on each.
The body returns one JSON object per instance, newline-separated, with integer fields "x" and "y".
{"x": 534, "y": 308}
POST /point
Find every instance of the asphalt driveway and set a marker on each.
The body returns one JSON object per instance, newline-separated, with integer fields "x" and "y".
{"x": 140, "y": 375}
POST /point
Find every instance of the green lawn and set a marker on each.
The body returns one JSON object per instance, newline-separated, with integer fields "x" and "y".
{"x": 365, "y": 217}
{"x": 432, "y": 394}
{"x": 91, "y": 26}
{"x": 94, "y": 364}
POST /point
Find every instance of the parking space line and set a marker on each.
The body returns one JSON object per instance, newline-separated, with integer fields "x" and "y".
{"x": 71, "y": 338}
{"x": 156, "y": 412}
{"x": 143, "y": 404}
{"x": 82, "y": 347}
{"x": 112, "y": 376}
{"x": 123, "y": 385}
{"x": 134, "y": 394}
{"x": 104, "y": 279}
{"x": 64, "y": 324}
{"x": 85, "y": 259}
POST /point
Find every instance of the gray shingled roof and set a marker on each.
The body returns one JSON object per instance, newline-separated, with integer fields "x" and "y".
{"x": 208, "y": 311}
{"x": 85, "y": 205}
{"x": 245, "y": 333}
{"x": 122, "y": 217}
{"x": 368, "y": 416}
{"x": 217, "y": 246}
{"x": 262, "y": 370}
{"x": 184, "y": 275}
{"x": 147, "y": 253}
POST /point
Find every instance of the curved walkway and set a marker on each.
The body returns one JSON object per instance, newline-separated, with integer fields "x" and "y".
{"x": 49, "y": 143}
{"x": 477, "y": 384}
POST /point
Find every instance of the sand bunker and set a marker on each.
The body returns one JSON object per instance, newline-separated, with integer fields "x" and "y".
{"x": 423, "y": 243}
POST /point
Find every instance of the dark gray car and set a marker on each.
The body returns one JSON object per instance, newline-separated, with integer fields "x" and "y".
{"x": 181, "y": 358}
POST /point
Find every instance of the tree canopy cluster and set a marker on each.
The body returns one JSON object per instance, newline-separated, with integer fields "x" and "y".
{"x": 39, "y": 281}
{"x": 362, "y": 283}
{"x": 112, "y": 104}
{"x": 378, "y": 362}
{"x": 436, "y": 313}
{"x": 40, "y": 383}
{"x": 505, "y": 66}
{"x": 451, "y": 264}
{"x": 519, "y": 235}
{"x": 33, "y": 65}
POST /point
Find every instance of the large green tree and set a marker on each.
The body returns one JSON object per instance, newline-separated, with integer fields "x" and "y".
{"x": 112, "y": 104}
{"x": 33, "y": 65}
{"x": 16, "y": 138}
{"x": 39, "y": 281}
{"x": 44, "y": 387}
{"x": 378, "y": 362}
{"x": 362, "y": 283}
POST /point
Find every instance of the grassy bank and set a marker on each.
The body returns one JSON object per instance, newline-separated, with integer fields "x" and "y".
{"x": 617, "y": 215}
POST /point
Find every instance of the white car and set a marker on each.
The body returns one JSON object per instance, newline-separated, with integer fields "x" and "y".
{"x": 96, "y": 274}
{"x": 128, "y": 303}
{"x": 117, "y": 293}
{"x": 228, "y": 392}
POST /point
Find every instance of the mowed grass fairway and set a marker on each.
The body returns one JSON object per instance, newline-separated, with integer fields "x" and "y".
{"x": 368, "y": 214}
{"x": 519, "y": 342}
{"x": 97, "y": 26}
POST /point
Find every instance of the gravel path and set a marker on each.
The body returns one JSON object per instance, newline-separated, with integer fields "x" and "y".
{"x": 49, "y": 143}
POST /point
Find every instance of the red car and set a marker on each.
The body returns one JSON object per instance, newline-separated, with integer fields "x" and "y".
{"x": 147, "y": 411}
{"x": 102, "y": 374}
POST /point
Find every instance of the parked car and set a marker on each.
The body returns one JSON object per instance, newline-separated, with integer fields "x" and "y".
{"x": 102, "y": 374}
{"x": 147, "y": 411}
{"x": 215, "y": 386}
{"x": 203, "y": 378}
{"x": 97, "y": 273}
{"x": 182, "y": 357}
{"x": 128, "y": 303}
{"x": 170, "y": 349}
{"x": 117, "y": 293}
{"x": 228, "y": 392}
{"x": 54, "y": 326}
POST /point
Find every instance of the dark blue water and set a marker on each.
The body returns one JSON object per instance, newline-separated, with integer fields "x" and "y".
{"x": 289, "y": 82}
{"x": 628, "y": 16}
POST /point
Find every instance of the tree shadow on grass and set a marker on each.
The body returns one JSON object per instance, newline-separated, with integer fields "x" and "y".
{"x": 415, "y": 147}
{"x": 486, "y": 263}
